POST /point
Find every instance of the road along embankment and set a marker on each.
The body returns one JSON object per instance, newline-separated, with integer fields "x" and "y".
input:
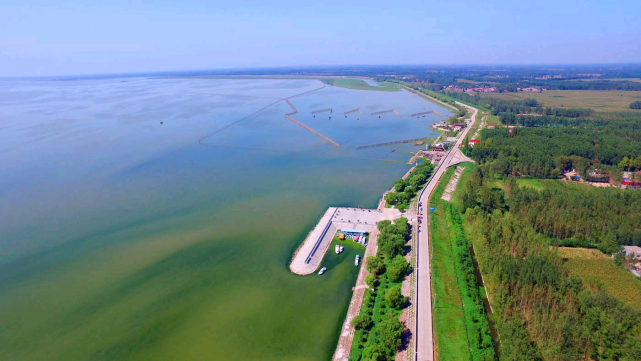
{"x": 423, "y": 326}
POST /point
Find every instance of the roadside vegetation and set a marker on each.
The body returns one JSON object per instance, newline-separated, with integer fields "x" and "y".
{"x": 461, "y": 324}
{"x": 406, "y": 189}
{"x": 378, "y": 331}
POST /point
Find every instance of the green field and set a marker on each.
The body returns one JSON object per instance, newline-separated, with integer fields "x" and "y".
{"x": 540, "y": 184}
{"x": 461, "y": 328}
{"x": 596, "y": 268}
{"x": 634, "y": 80}
{"x": 526, "y": 182}
{"x": 600, "y": 101}
{"x": 450, "y": 332}
{"x": 359, "y": 84}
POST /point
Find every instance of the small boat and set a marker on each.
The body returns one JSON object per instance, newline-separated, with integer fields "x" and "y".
{"x": 393, "y": 150}
{"x": 337, "y": 249}
{"x": 342, "y": 249}
{"x": 357, "y": 260}
{"x": 322, "y": 270}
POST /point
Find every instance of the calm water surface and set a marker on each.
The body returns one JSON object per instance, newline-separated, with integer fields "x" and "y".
{"x": 121, "y": 238}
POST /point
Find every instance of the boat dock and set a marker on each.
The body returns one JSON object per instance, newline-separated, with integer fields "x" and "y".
{"x": 309, "y": 255}
{"x": 330, "y": 110}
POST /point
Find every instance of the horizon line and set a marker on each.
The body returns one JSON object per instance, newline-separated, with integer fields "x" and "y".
{"x": 229, "y": 71}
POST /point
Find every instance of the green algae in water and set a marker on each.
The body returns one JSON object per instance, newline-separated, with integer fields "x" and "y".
{"x": 125, "y": 239}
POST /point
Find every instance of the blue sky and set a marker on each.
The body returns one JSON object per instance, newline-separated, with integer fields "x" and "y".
{"x": 95, "y": 37}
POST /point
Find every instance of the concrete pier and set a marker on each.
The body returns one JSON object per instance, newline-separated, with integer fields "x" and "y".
{"x": 309, "y": 255}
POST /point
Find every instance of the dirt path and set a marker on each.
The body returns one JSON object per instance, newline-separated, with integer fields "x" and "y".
{"x": 451, "y": 185}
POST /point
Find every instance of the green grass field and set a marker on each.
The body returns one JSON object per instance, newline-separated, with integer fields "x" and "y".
{"x": 458, "y": 325}
{"x": 450, "y": 332}
{"x": 359, "y": 84}
{"x": 599, "y": 101}
{"x": 596, "y": 268}
{"x": 541, "y": 184}
{"x": 526, "y": 182}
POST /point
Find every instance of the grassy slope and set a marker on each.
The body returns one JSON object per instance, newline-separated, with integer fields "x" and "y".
{"x": 449, "y": 321}
{"x": 600, "y": 101}
{"x": 359, "y": 84}
{"x": 597, "y": 268}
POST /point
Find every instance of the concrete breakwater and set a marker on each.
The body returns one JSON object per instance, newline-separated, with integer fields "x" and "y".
{"x": 386, "y": 111}
{"x": 295, "y": 111}
{"x": 328, "y": 140}
{"x": 389, "y": 143}
{"x": 422, "y": 113}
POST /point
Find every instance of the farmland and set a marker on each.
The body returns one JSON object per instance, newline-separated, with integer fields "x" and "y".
{"x": 599, "y": 101}
{"x": 598, "y": 269}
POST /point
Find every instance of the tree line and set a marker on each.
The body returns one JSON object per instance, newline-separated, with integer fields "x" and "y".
{"x": 603, "y": 218}
{"x": 546, "y": 152}
{"x": 405, "y": 189}
{"x": 378, "y": 331}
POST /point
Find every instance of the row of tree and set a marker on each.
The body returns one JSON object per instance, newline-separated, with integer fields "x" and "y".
{"x": 379, "y": 332}
{"x": 405, "y": 189}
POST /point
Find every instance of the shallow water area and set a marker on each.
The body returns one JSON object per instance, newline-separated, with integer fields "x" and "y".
{"x": 122, "y": 237}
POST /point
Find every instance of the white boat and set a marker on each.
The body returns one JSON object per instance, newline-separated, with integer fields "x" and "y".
{"x": 342, "y": 249}
{"x": 357, "y": 260}
{"x": 322, "y": 270}
{"x": 337, "y": 249}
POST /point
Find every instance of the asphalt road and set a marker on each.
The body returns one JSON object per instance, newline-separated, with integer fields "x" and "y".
{"x": 423, "y": 329}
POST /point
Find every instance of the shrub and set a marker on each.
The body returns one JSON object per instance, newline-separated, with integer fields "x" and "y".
{"x": 370, "y": 280}
{"x": 397, "y": 269}
{"x": 361, "y": 322}
{"x": 375, "y": 265}
{"x": 394, "y": 298}
{"x": 388, "y": 334}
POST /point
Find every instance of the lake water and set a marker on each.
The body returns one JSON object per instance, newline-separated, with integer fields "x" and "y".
{"x": 122, "y": 238}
